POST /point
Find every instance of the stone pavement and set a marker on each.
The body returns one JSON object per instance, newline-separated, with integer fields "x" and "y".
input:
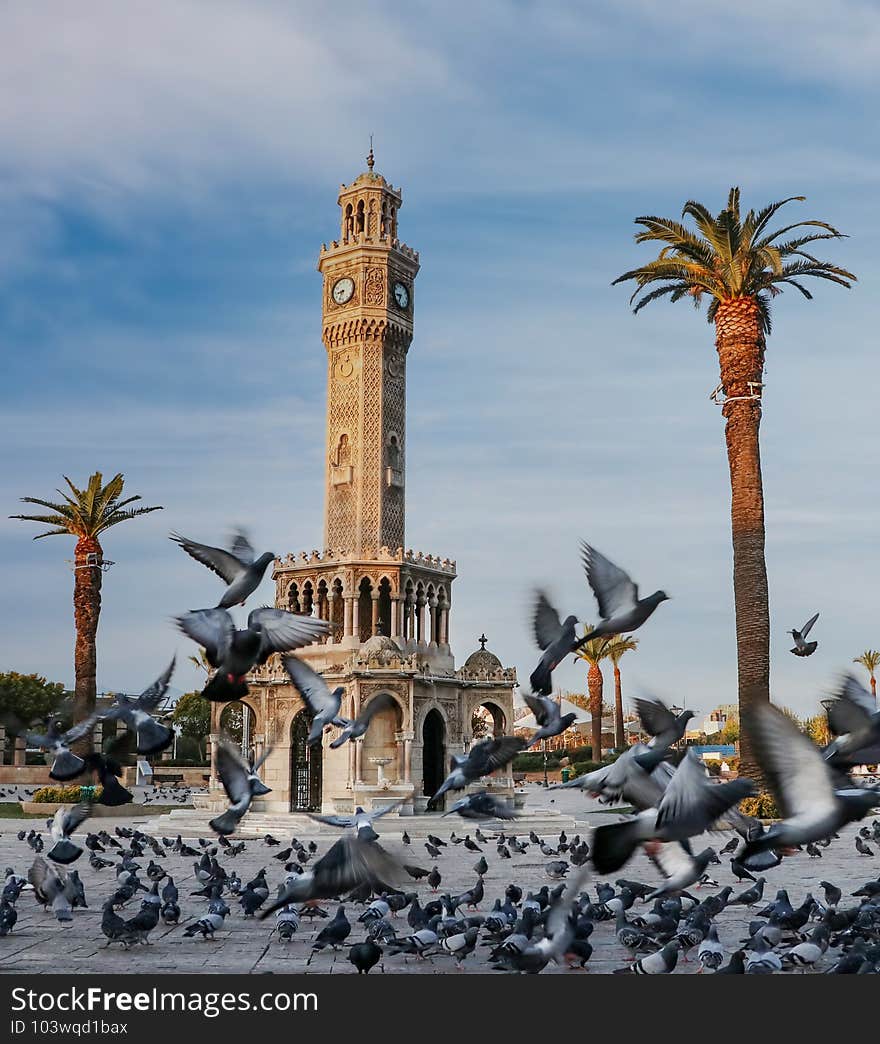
{"x": 40, "y": 945}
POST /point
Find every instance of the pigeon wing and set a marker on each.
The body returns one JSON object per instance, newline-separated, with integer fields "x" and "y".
{"x": 655, "y": 716}
{"x": 78, "y": 814}
{"x": 691, "y": 803}
{"x": 850, "y": 708}
{"x": 350, "y": 863}
{"x": 82, "y": 728}
{"x": 670, "y": 858}
{"x": 221, "y": 562}
{"x": 795, "y": 769}
{"x": 614, "y": 590}
{"x": 492, "y": 754}
{"x": 242, "y": 548}
{"x": 546, "y": 622}
{"x": 281, "y": 631}
{"x": 233, "y": 771}
{"x": 808, "y": 626}
{"x": 212, "y": 629}
{"x": 336, "y": 821}
{"x": 385, "y": 809}
{"x": 151, "y": 697}
{"x": 378, "y": 704}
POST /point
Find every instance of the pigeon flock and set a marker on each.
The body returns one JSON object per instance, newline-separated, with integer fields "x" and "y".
{"x": 644, "y": 887}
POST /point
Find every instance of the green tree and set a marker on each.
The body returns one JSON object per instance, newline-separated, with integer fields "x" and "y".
{"x": 870, "y": 660}
{"x": 29, "y": 697}
{"x": 618, "y": 647}
{"x": 192, "y": 715}
{"x": 86, "y": 514}
{"x": 740, "y": 265}
{"x": 817, "y": 729}
{"x": 593, "y": 653}
{"x": 730, "y": 731}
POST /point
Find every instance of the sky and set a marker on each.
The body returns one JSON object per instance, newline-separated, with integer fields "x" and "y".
{"x": 168, "y": 173}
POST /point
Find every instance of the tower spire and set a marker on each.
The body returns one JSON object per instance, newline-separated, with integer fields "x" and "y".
{"x": 370, "y": 158}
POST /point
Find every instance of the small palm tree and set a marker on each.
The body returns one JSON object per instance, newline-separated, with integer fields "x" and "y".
{"x": 86, "y": 514}
{"x": 593, "y": 652}
{"x": 740, "y": 265}
{"x": 618, "y": 646}
{"x": 870, "y": 660}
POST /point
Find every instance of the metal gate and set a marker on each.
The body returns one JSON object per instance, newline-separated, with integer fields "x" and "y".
{"x": 305, "y": 766}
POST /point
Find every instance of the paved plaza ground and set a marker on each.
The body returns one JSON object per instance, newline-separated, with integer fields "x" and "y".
{"x": 40, "y": 945}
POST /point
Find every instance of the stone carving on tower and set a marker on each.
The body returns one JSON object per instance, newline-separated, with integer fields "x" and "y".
{"x": 388, "y": 606}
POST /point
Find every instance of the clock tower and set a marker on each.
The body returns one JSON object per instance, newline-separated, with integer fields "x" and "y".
{"x": 367, "y": 328}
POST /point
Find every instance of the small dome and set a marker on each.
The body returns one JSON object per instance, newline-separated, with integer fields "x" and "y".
{"x": 379, "y": 643}
{"x": 482, "y": 660}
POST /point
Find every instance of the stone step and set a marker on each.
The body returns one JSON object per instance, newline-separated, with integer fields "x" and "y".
{"x": 193, "y": 822}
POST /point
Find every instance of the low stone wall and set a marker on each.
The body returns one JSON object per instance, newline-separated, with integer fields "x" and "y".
{"x": 45, "y": 809}
{"x": 25, "y": 775}
{"x": 38, "y": 775}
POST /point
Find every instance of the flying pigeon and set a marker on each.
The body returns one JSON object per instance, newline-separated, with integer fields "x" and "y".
{"x": 361, "y": 821}
{"x": 348, "y": 864}
{"x": 548, "y": 718}
{"x": 660, "y": 723}
{"x": 234, "y": 652}
{"x": 137, "y": 714}
{"x": 620, "y": 607}
{"x": 801, "y": 647}
{"x": 241, "y": 783}
{"x": 238, "y": 567}
{"x": 65, "y": 764}
{"x": 854, "y": 721}
{"x": 108, "y": 768}
{"x": 322, "y": 702}
{"x": 354, "y": 729}
{"x": 482, "y": 805}
{"x": 814, "y": 801}
{"x": 483, "y": 758}
{"x": 63, "y": 825}
{"x": 555, "y": 637}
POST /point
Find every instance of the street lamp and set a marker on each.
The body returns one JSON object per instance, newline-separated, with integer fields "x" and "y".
{"x": 544, "y": 748}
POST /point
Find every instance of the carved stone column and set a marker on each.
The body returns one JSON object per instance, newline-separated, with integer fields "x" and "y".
{"x": 359, "y": 761}
{"x": 420, "y": 619}
{"x": 2, "y": 744}
{"x": 444, "y": 625}
{"x": 395, "y": 617}
{"x": 432, "y": 620}
{"x": 347, "y": 619}
{"x": 407, "y": 757}
{"x": 213, "y": 781}
{"x": 374, "y": 622}
{"x": 18, "y": 754}
{"x": 352, "y": 771}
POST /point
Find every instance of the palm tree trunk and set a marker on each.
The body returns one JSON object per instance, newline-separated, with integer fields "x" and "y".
{"x": 873, "y": 685}
{"x": 740, "y": 344}
{"x": 86, "y": 611}
{"x": 619, "y": 738}
{"x": 595, "y": 684}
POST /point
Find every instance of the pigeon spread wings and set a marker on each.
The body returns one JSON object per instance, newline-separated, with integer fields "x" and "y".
{"x": 614, "y": 590}
{"x": 310, "y": 685}
{"x": 850, "y": 708}
{"x": 542, "y": 707}
{"x": 808, "y": 626}
{"x": 227, "y": 566}
{"x": 654, "y": 715}
{"x": 212, "y": 629}
{"x": 233, "y": 772}
{"x": 281, "y": 630}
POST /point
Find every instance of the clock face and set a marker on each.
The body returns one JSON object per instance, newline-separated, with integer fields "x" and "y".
{"x": 401, "y": 295}
{"x": 342, "y": 290}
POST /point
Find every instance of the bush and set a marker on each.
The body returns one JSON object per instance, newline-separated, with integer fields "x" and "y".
{"x": 762, "y": 806}
{"x": 65, "y": 795}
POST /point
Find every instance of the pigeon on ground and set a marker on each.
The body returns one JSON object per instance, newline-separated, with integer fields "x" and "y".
{"x": 555, "y": 637}
{"x": 348, "y": 864}
{"x": 364, "y": 956}
{"x": 802, "y": 647}
{"x": 51, "y": 889}
{"x": 815, "y": 802}
{"x": 482, "y": 805}
{"x": 361, "y": 821}
{"x": 63, "y": 825}
{"x": 137, "y": 713}
{"x": 334, "y": 933}
{"x": 233, "y": 653}
{"x": 482, "y": 759}
{"x": 238, "y": 567}
{"x": 287, "y": 923}
{"x": 620, "y": 607}
{"x": 660, "y": 963}
{"x": 711, "y": 952}
{"x": 861, "y": 848}
{"x": 241, "y": 782}
{"x": 205, "y": 926}
{"x": 548, "y": 718}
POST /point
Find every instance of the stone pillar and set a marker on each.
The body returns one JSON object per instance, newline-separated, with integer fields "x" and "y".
{"x": 407, "y": 758}
{"x": 420, "y": 619}
{"x": 444, "y": 625}
{"x": 359, "y": 760}
{"x": 352, "y": 751}
{"x": 213, "y": 781}
{"x": 432, "y": 619}
{"x": 258, "y": 746}
{"x": 18, "y": 755}
{"x": 374, "y": 623}
{"x": 395, "y": 618}
{"x": 2, "y": 744}
{"x": 355, "y": 619}
{"x": 347, "y": 624}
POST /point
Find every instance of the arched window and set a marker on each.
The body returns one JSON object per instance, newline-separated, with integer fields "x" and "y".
{"x": 360, "y": 216}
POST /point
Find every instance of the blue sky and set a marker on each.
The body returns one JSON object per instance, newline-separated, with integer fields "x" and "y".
{"x": 168, "y": 172}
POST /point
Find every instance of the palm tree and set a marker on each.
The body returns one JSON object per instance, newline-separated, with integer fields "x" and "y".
{"x": 870, "y": 660}
{"x": 740, "y": 265}
{"x": 619, "y": 645}
{"x": 593, "y": 653}
{"x": 86, "y": 515}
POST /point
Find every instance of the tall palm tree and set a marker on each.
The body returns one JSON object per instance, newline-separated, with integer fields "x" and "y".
{"x": 870, "y": 660}
{"x": 86, "y": 514}
{"x": 617, "y": 647}
{"x": 740, "y": 265}
{"x": 593, "y": 653}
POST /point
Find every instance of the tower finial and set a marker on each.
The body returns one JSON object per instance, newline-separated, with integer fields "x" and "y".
{"x": 371, "y": 159}
{"x": 482, "y": 640}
